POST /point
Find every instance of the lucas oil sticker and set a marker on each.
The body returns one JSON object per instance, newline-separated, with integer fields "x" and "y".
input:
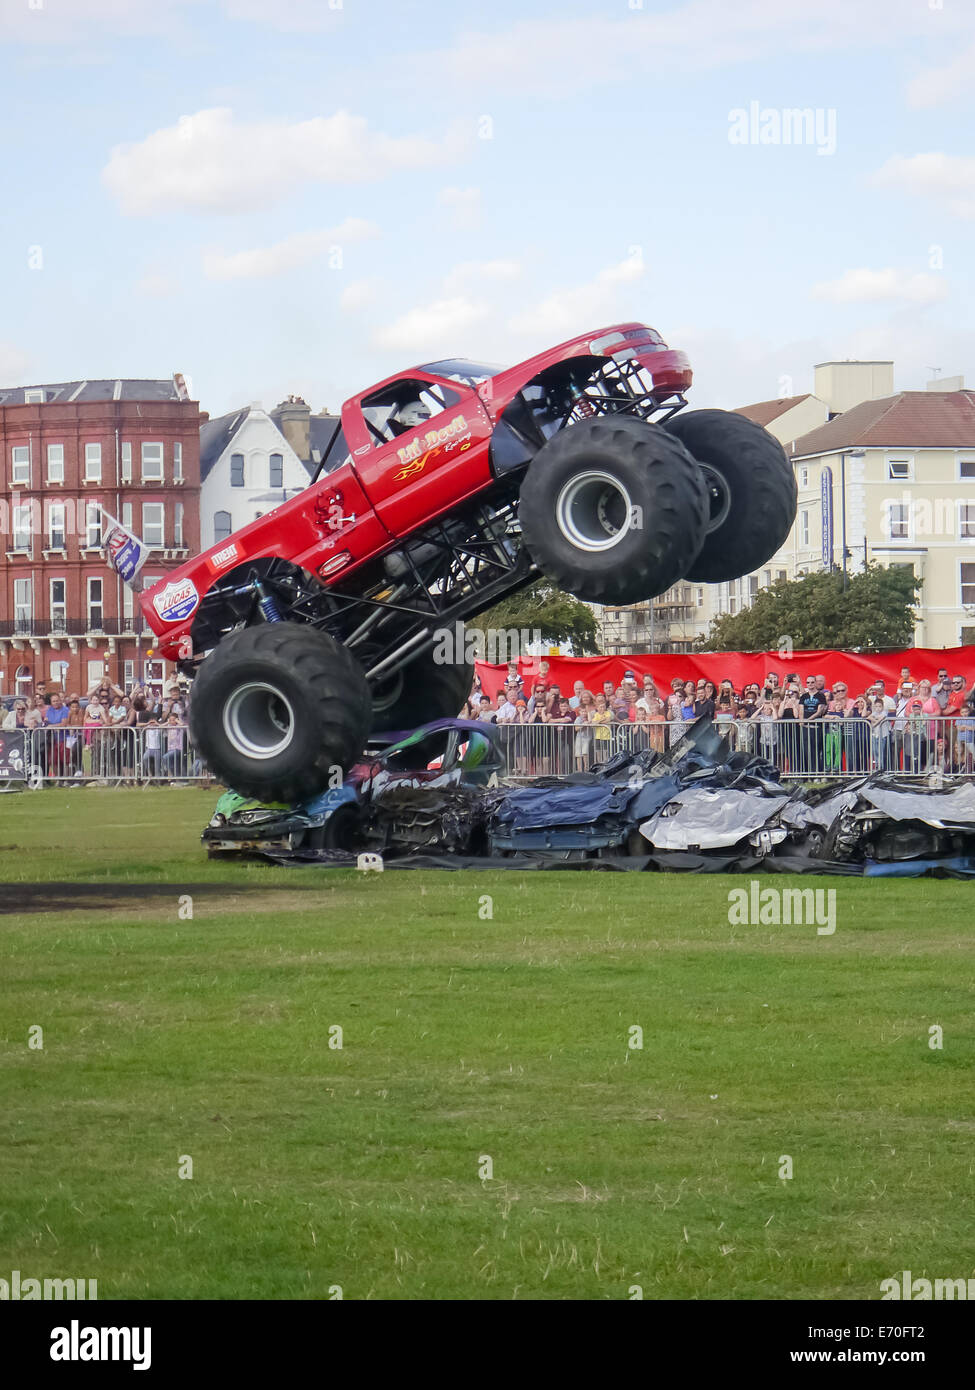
{"x": 177, "y": 601}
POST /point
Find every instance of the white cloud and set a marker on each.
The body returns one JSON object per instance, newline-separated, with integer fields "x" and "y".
{"x": 158, "y": 283}
{"x": 864, "y": 286}
{"x": 575, "y": 308}
{"x": 434, "y": 327}
{"x": 473, "y": 272}
{"x": 464, "y": 205}
{"x": 950, "y": 178}
{"x": 13, "y": 364}
{"x": 59, "y": 21}
{"x": 291, "y": 15}
{"x": 935, "y": 86}
{"x": 264, "y": 261}
{"x": 547, "y": 54}
{"x": 361, "y": 294}
{"x": 210, "y": 162}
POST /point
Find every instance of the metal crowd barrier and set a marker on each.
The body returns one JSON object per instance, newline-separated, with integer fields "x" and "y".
{"x": 818, "y": 750}
{"x": 113, "y": 756}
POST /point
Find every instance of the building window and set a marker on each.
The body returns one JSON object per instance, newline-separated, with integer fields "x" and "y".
{"x": 277, "y": 470}
{"x": 966, "y": 468}
{"x": 96, "y": 612}
{"x": 93, "y": 526}
{"x": 177, "y": 463}
{"x": 222, "y": 526}
{"x": 22, "y": 528}
{"x": 178, "y": 526}
{"x": 20, "y": 460}
{"x": 55, "y": 526}
{"x": 967, "y": 584}
{"x": 127, "y": 515}
{"x": 126, "y": 463}
{"x": 803, "y": 476}
{"x": 152, "y": 463}
{"x": 59, "y": 606}
{"x": 34, "y": 397}
{"x": 93, "y": 463}
{"x": 128, "y": 677}
{"x": 898, "y": 521}
{"x": 153, "y": 521}
{"x": 236, "y": 470}
{"x": 55, "y": 463}
{"x": 24, "y": 603}
{"x": 900, "y": 470}
{"x": 781, "y": 575}
{"x": 966, "y": 521}
{"x": 804, "y": 527}
{"x": 752, "y": 587}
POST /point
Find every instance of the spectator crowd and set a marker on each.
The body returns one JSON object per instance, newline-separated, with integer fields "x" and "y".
{"x": 106, "y": 736}
{"x": 802, "y": 726}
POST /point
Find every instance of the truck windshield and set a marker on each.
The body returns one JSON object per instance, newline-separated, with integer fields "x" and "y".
{"x": 459, "y": 369}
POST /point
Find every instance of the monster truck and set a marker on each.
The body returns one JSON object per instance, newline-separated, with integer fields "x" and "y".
{"x": 445, "y": 488}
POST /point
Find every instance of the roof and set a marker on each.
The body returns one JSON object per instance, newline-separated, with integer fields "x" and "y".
{"x": 911, "y": 419}
{"x": 109, "y": 389}
{"x": 322, "y": 430}
{"x": 215, "y": 435}
{"x": 765, "y": 411}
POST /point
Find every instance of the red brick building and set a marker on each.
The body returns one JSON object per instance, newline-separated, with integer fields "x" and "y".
{"x": 134, "y": 447}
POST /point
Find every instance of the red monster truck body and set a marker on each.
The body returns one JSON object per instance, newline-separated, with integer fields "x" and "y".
{"x": 447, "y": 487}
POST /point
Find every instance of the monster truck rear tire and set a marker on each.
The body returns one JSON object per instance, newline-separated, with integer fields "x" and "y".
{"x": 752, "y": 491}
{"x": 276, "y": 708}
{"x": 423, "y": 691}
{"x": 613, "y": 509}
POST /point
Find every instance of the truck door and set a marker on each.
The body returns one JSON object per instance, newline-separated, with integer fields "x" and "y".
{"x": 423, "y": 448}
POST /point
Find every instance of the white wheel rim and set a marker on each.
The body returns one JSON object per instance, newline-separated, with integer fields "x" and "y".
{"x": 259, "y": 720}
{"x": 594, "y": 511}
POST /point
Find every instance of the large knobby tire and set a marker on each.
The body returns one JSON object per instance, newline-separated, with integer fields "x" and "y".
{"x": 276, "y": 708}
{"x": 752, "y": 492}
{"x": 613, "y": 509}
{"x": 423, "y": 691}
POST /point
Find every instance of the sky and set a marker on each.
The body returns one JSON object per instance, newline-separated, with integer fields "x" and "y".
{"x": 277, "y": 196}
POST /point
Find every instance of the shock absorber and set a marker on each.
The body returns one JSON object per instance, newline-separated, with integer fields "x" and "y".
{"x": 268, "y": 605}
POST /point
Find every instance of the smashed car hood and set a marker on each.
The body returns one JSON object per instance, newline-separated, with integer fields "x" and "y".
{"x": 706, "y": 818}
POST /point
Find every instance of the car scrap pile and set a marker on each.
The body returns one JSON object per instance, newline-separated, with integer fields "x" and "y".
{"x": 438, "y": 797}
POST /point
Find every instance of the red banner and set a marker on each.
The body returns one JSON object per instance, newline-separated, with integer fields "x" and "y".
{"x": 858, "y": 669}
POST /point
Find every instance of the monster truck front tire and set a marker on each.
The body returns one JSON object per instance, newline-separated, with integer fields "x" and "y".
{"x": 277, "y": 708}
{"x": 751, "y": 488}
{"x": 613, "y": 509}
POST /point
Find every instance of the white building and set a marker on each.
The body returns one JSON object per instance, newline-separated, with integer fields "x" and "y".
{"x": 252, "y": 460}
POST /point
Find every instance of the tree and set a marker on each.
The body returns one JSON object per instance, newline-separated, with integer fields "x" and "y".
{"x": 556, "y": 615}
{"x": 873, "y": 613}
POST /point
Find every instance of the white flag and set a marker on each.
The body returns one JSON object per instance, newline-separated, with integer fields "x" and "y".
{"x": 126, "y": 553}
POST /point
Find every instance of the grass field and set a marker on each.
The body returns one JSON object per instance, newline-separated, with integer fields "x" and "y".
{"x": 465, "y": 1037}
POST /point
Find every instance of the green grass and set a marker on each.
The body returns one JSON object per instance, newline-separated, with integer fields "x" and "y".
{"x": 467, "y": 1036}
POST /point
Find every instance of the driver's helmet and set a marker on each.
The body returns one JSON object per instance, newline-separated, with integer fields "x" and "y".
{"x": 412, "y": 414}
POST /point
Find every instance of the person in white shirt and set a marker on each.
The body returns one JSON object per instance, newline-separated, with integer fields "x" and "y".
{"x": 574, "y": 698}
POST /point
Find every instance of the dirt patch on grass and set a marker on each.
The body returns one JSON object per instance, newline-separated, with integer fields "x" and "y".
{"x": 93, "y": 897}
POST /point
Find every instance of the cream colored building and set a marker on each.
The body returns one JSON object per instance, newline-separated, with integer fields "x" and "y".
{"x": 893, "y": 472}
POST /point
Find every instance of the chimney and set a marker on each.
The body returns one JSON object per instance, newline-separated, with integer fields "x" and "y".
{"x": 293, "y": 418}
{"x": 946, "y": 383}
{"x": 842, "y": 385}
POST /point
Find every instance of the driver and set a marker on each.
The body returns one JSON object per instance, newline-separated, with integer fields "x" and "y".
{"x": 408, "y": 416}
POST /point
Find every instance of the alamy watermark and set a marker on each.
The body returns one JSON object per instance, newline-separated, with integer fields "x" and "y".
{"x": 19, "y": 1290}
{"x": 755, "y": 124}
{"x": 496, "y": 645}
{"x": 905, "y": 1286}
{"x": 756, "y": 906}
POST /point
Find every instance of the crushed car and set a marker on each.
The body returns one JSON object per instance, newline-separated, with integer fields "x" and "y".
{"x": 423, "y": 791}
